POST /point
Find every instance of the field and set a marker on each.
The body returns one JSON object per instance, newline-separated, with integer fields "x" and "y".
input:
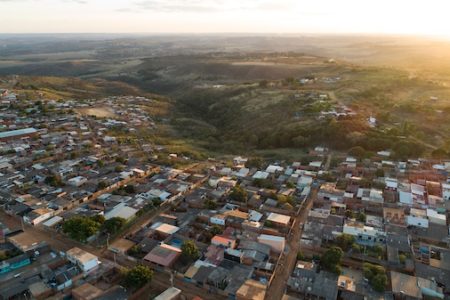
{"x": 256, "y": 95}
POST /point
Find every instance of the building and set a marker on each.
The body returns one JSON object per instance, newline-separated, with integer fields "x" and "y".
{"x": 418, "y": 218}
{"x": 223, "y": 241}
{"x": 85, "y": 260}
{"x": 17, "y": 134}
{"x": 163, "y": 255}
{"x": 171, "y": 293}
{"x": 276, "y": 243}
{"x": 279, "y": 219}
{"x": 412, "y": 287}
{"x": 37, "y": 216}
{"x": 251, "y": 290}
{"x": 77, "y": 181}
{"x": 365, "y": 235}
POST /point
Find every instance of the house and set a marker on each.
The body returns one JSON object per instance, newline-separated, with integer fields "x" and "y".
{"x": 223, "y": 241}
{"x": 121, "y": 246}
{"x": 279, "y": 219}
{"x": 85, "y": 260}
{"x": 260, "y": 175}
{"x": 17, "y": 134}
{"x": 164, "y": 229}
{"x": 38, "y": 215}
{"x": 411, "y": 287}
{"x": 418, "y": 218}
{"x": 446, "y": 191}
{"x": 163, "y": 255}
{"x": 218, "y": 219}
{"x": 171, "y": 293}
{"x": 77, "y": 181}
{"x": 14, "y": 263}
{"x": 306, "y": 281}
{"x": 276, "y": 243}
{"x": 251, "y": 290}
{"x": 365, "y": 235}
{"x": 86, "y": 291}
{"x": 435, "y": 217}
{"x": 121, "y": 210}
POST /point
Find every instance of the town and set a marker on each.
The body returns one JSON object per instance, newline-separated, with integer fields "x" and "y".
{"x": 93, "y": 208}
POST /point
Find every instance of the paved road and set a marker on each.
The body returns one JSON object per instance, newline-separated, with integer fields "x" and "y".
{"x": 287, "y": 263}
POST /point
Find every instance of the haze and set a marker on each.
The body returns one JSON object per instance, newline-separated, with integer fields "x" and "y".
{"x": 207, "y": 16}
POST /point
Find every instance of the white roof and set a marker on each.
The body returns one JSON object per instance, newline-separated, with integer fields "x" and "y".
{"x": 260, "y": 175}
{"x": 273, "y": 169}
{"x": 122, "y": 211}
{"x": 165, "y": 228}
{"x": 315, "y": 164}
{"x": 278, "y": 218}
{"x": 268, "y": 237}
{"x": 53, "y": 221}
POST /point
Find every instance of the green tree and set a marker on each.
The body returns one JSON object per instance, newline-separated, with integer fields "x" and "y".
{"x": 113, "y": 225}
{"x": 358, "y": 152}
{"x": 138, "y": 276}
{"x": 376, "y": 275}
{"x": 101, "y": 185}
{"x": 362, "y": 217}
{"x": 439, "y": 153}
{"x": 130, "y": 189}
{"x": 255, "y": 162}
{"x": 54, "y": 180}
{"x": 80, "y": 228}
{"x": 216, "y": 229}
{"x": 345, "y": 241}
{"x": 189, "y": 251}
{"x": 238, "y": 194}
{"x": 210, "y": 204}
{"x": 331, "y": 259}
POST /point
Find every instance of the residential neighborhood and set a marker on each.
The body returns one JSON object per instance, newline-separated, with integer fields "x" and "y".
{"x": 85, "y": 204}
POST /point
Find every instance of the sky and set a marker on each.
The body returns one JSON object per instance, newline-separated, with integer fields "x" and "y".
{"x": 412, "y": 17}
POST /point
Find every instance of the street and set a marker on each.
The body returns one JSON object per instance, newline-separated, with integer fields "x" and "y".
{"x": 287, "y": 262}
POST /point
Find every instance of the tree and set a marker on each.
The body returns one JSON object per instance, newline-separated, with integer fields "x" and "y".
{"x": 345, "y": 241}
{"x": 331, "y": 259}
{"x": 80, "y": 228}
{"x": 210, "y": 204}
{"x": 138, "y": 276}
{"x": 358, "y": 152}
{"x": 376, "y": 275}
{"x": 54, "y": 180}
{"x": 238, "y": 194}
{"x": 189, "y": 251}
{"x": 130, "y": 189}
{"x": 361, "y": 217}
{"x": 216, "y": 229}
{"x": 102, "y": 185}
{"x": 255, "y": 162}
{"x": 439, "y": 153}
{"x": 113, "y": 225}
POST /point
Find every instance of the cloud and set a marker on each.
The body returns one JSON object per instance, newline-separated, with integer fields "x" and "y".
{"x": 205, "y": 6}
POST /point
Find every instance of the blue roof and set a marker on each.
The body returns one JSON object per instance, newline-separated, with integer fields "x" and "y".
{"x": 18, "y": 132}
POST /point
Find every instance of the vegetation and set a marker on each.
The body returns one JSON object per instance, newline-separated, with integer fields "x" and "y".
{"x": 113, "y": 225}
{"x": 376, "y": 275}
{"x": 331, "y": 259}
{"x": 137, "y": 276}
{"x": 80, "y": 228}
{"x": 345, "y": 241}
{"x": 189, "y": 251}
{"x": 238, "y": 194}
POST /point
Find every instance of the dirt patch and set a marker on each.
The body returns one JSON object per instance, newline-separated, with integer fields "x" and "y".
{"x": 101, "y": 112}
